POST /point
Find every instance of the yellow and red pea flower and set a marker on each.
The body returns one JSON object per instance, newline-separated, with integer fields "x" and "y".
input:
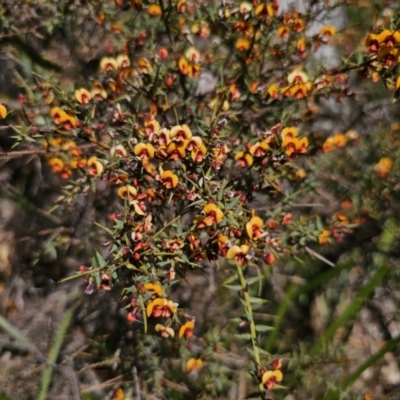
{"x": 271, "y": 378}
{"x": 189, "y": 63}
{"x": 56, "y": 164}
{"x": 323, "y": 237}
{"x": 259, "y": 149}
{"x": 169, "y": 179}
{"x": 161, "y": 308}
{"x": 253, "y": 228}
{"x": 3, "y": 111}
{"x": 176, "y": 150}
{"x": 294, "y": 145}
{"x": 383, "y": 167}
{"x": 108, "y": 64}
{"x": 165, "y": 331}
{"x": 151, "y": 126}
{"x": 273, "y": 91}
{"x": 95, "y": 166}
{"x": 193, "y": 364}
{"x": 127, "y": 192}
{"x": 388, "y": 38}
{"x": 98, "y": 92}
{"x": 201, "y": 29}
{"x": 174, "y": 244}
{"x": 197, "y": 148}
{"x": 154, "y": 10}
{"x": 180, "y": 133}
{"x": 152, "y": 287}
{"x": 144, "y": 66}
{"x": 244, "y": 159}
{"x": 57, "y": 114}
{"x": 123, "y": 61}
{"x": 105, "y": 282}
{"x": 327, "y": 32}
{"x": 118, "y": 151}
{"x": 214, "y": 215}
{"x": 242, "y": 44}
{"x": 239, "y": 253}
{"x": 186, "y": 330}
{"x": 144, "y": 151}
{"x": 388, "y": 56}
{"x": 83, "y": 96}
{"x": 267, "y": 9}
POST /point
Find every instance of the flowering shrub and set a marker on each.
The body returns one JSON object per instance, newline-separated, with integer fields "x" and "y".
{"x": 200, "y": 119}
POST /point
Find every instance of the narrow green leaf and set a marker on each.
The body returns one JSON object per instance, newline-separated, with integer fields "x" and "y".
{"x": 109, "y": 231}
{"x": 263, "y": 328}
{"x": 243, "y": 336}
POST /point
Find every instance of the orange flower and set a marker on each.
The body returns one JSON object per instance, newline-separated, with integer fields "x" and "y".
{"x": 283, "y": 31}
{"x": 388, "y": 56}
{"x": 188, "y": 65}
{"x": 270, "y": 378}
{"x": 144, "y": 151}
{"x": 192, "y": 55}
{"x": 176, "y": 151}
{"x": 253, "y": 228}
{"x": 69, "y": 121}
{"x": 273, "y": 91}
{"x": 213, "y": 214}
{"x": 165, "y": 331}
{"x": 239, "y": 254}
{"x": 95, "y": 166}
{"x": 153, "y": 287}
{"x": 193, "y": 364}
{"x": 169, "y": 179}
{"x": 56, "y": 164}
{"x": 323, "y": 238}
{"x": 201, "y": 29}
{"x": 389, "y": 38}
{"x": 266, "y": 9}
{"x": 196, "y": 146}
{"x": 161, "y": 137}
{"x": 186, "y": 330}
{"x": 151, "y": 126}
{"x": 57, "y": 114}
{"x": 127, "y": 192}
{"x": 3, "y": 112}
{"x": 384, "y": 166}
{"x": 108, "y": 64}
{"x": 174, "y": 244}
{"x": 181, "y": 5}
{"x": 327, "y": 32}
{"x": 259, "y": 149}
{"x": 98, "y": 91}
{"x": 299, "y": 84}
{"x": 154, "y": 10}
{"x": 118, "y": 151}
{"x": 293, "y": 145}
{"x": 289, "y": 132}
{"x": 180, "y": 133}
{"x": 144, "y": 66}
{"x": 244, "y": 159}
{"x": 301, "y": 45}
{"x": 82, "y": 96}
{"x": 242, "y": 44}
{"x": 161, "y": 308}
{"x": 287, "y": 219}
{"x": 123, "y": 61}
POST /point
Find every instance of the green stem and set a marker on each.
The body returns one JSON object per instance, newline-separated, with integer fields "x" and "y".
{"x": 249, "y": 309}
